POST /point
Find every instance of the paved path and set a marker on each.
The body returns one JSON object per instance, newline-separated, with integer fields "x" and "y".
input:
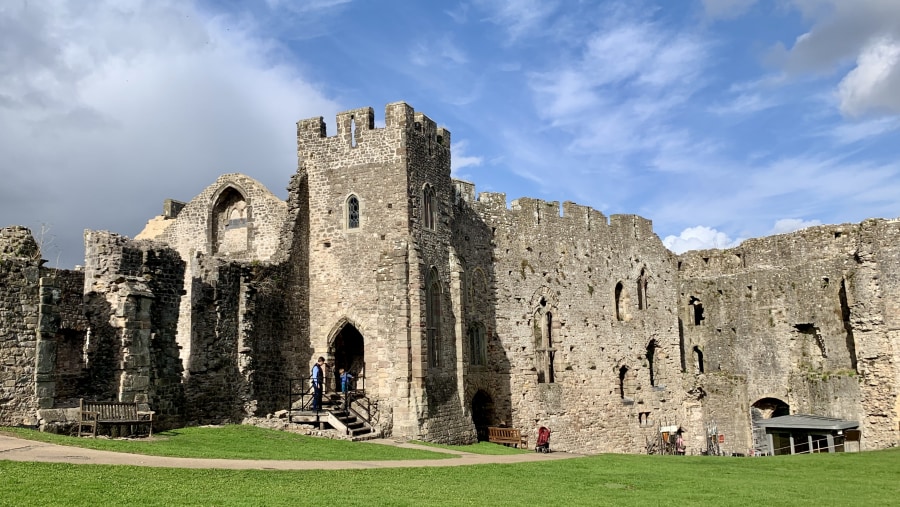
{"x": 16, "y": 449}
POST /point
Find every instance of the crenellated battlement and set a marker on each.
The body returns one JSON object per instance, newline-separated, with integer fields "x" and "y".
{"x": 531, "y": 212}
{"x": 356, "y": 126}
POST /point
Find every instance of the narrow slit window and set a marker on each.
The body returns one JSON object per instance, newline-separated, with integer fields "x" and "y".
{"x": 353, "y": 212}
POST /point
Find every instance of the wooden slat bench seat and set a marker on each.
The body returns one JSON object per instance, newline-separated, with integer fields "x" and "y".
{"x": 507, "y": 436}
{"x": 94, "y": 413}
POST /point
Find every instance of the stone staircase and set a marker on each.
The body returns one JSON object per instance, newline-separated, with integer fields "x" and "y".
{"x": 345, "y": 421}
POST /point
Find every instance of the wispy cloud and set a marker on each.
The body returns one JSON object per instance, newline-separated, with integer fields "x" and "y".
{"x": 459, "y": 157}
{"x": 519, "y": 17}
{"x": 726, "y": 9}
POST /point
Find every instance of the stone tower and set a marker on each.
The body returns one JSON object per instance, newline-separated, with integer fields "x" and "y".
{"x": 379, "y": 262}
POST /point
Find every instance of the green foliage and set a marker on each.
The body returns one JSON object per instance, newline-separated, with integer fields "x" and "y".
{"x": 238, "y": 442}
{"x": 821, "y": 479}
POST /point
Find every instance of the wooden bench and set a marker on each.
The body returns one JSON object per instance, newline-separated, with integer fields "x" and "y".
{"x": 94, "y": 413}
{"x": 507, "y": 436}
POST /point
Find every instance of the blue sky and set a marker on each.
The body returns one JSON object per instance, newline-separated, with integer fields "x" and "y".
{"x": 718, "y": 120}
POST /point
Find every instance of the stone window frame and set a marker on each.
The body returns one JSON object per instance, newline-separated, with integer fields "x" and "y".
{"x": 477, "y": 345}
{"x": 219, "y": 215}
{"x": 429, "y": 208}
{"x": 653, "y": 369}
{"x": 348, "y": 213}
{"x": 433, "y": 317}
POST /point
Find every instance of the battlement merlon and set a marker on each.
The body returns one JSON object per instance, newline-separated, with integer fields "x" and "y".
{"x": 398, "y": 115}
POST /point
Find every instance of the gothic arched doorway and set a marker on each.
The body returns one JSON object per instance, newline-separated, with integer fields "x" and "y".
{"x": 348, "y": 350}
{"x": 482, "y": 414}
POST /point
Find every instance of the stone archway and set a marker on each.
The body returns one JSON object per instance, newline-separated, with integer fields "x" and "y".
{"x": 347, "y": 348}
{"x": 765, "y": 408}
{"x": 483, "y": 414}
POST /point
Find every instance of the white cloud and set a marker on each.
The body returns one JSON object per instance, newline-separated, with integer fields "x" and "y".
{"x": 874, "y": 84}
{"x": 459, "y": 159}
{"x": 863, "y": 31}
{"x": 700, "y": 237}
{"x": 786, "y": 225}
{"x": 108, "y": 108}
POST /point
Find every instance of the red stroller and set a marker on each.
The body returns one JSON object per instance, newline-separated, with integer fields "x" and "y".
{"x": 543, "y": 440}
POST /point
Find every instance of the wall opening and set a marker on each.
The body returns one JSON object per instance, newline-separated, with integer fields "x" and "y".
{"x": 623, "y": 382}
{"x": 433, "y": 317}
{"x": 651, "y": 352}
{"x": 698, "y": 359}
{"x": 642, "y": 284}
{"x": 229, "y": 219}
{"x": 349, "y": 352}
{"x": 697, "y": 307}
{"x": 477, "y": 345}
{"x": 620, "y": 316}
{"x": 483, "y": 415}
{"x": 848, "y": 327}
{"x": 429, "y": 208}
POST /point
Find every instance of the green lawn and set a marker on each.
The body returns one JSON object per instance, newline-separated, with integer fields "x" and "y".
{"x": 868, "y": 479}
{"x": 237, "y": 442}
{"x": 479, "y": 448}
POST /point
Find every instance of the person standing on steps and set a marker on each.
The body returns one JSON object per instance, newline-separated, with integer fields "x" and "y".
{"x": 346, "y": 378}
{"x": 318, "y": 379}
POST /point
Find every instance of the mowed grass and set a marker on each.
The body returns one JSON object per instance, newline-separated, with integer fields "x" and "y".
{"x": 479, "y": 448}
{"x": 237, "y": 442}
{"x": 869, "y": 479}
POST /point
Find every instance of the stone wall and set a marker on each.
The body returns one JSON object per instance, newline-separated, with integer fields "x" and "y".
{"x": 19, "y": 316}
{"x": 576, "y": 344}
{"x": 132, "y": 295}
{"x": 798, "y": 318}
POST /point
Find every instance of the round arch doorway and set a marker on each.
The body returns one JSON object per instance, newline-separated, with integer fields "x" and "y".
{"x": 348, "y": 350}
{"x": 483, "y": 414}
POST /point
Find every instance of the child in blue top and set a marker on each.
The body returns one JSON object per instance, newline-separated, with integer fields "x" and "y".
{"x": 346, "y": 378}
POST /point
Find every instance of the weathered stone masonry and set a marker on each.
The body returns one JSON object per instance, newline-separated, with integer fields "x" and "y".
{"x": 457, "y": 311}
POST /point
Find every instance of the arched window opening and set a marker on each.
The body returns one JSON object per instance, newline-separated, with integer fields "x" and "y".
{"x": 620, "y": 316}
{"x": 623, "y": 376}
{"x": 548, "y": 346}
{"x": 698, "y": 358}
{"x": 228, "y": 228}
{"x": 477, "y": 345}
{"x": 642, "y": 283}
{"x": 698, "y": 310}
{"x": 433, "y": 317}
{"x": 352, "y": 212}
{"x": 429, "y": 207}
{"x": 651, "y": 352}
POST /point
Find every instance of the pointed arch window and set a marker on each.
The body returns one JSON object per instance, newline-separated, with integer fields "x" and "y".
{"x": 477, "y": 345}
{"x": 642, "y": 284}
{"x": 620, "y": 311}
{"x": 352, "y": 212}
{"x": 433, "y": 317}
{"x": 429, "y": 208}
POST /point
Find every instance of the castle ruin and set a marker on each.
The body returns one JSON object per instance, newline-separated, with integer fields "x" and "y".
{"x": 457, "y": 311}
